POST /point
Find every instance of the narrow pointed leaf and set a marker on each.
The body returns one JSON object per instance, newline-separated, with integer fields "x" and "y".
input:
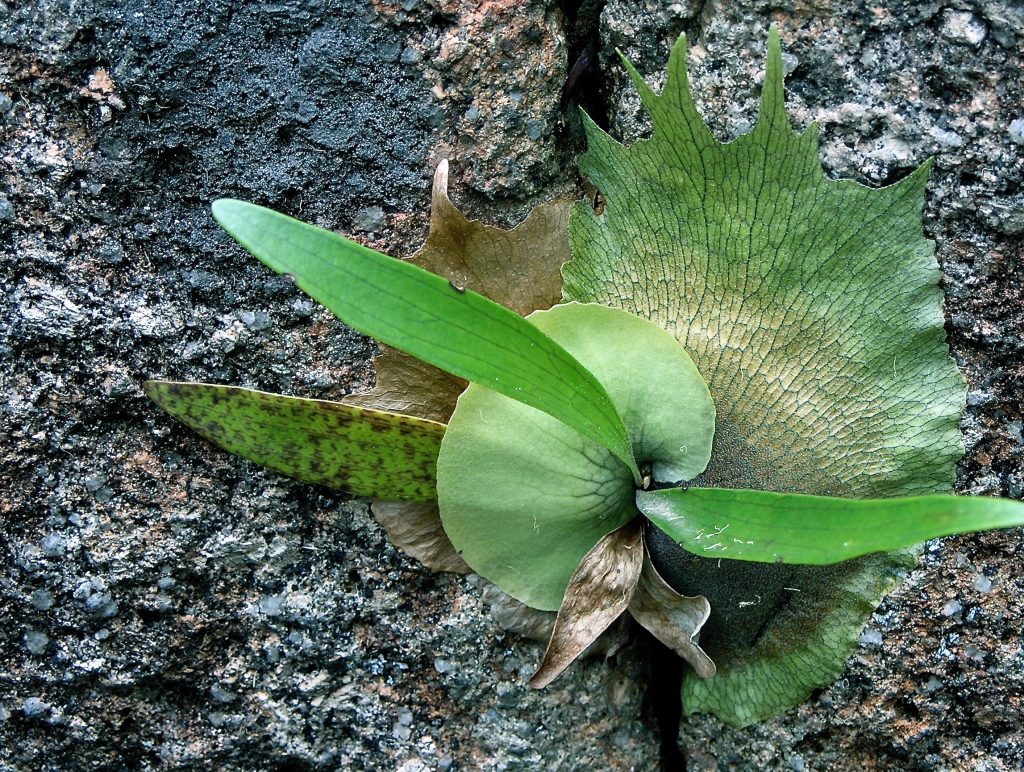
{"x": 365, "y": 452}
{"x": 814, "y": 530}
{"x": 431, "y": 318}
{"x": 518, "y": 268}
{"x": 598, "y": 593}
{"x": 673, "y": 619}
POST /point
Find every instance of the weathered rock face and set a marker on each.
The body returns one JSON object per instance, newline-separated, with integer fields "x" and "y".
{"x": 168, "y": 604}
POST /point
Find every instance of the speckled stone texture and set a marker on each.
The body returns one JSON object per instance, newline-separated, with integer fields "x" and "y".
{"x": 167, "y": 605}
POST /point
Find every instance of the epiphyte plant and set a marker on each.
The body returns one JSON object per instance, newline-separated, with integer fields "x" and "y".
{"x": 736, "y": 421}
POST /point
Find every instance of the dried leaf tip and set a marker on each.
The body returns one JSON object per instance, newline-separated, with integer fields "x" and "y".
{"x": 416, "y": 530}
{"x": 440, "y": 179}
{"x": 599, "y": 591}
{"x": 674, "y": 619}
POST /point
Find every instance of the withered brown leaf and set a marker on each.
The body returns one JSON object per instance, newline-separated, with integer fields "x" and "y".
{"x": 517, "y": 617}
{"x": 519, "y": 268}
{"x": 673, "y": 619}
{"x": 407, "y": 385}
{"x": 416, "y": 530}
{"x": 598, "y": 592}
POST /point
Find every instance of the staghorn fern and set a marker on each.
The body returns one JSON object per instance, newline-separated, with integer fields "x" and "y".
{"x": 750, "y": 365}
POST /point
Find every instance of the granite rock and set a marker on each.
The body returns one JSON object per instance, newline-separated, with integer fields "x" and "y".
{"x": 169, "y": 605}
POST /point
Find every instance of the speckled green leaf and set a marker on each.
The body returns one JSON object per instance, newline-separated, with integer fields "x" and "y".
{"x": 431, "y": 318}
{"x": 523, "y": 497}
{"x": 365, "y": 452}
{"x": 812, "y": 309}
{"x": 814, "y": 530}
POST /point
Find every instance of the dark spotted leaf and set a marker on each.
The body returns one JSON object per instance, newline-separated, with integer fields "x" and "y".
{"x": 365, "y": 452}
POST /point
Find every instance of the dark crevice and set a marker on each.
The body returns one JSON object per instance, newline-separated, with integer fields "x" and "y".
{"x": 663, "y": 699}
{"x": 583, "y": 82}
{"x": 780, "y": 604}
{"x": 662, "y": 702}
{"x": 698, "y": 22}
{"x": 584, "y": 89}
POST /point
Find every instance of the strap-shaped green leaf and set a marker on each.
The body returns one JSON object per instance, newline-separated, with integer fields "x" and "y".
{"x": 814, "y": 530}
{"x": 428, "y": 317}
{"x": 365, "y": 452}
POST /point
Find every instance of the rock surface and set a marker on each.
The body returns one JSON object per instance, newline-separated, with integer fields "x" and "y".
{"x": 170, "y": 605}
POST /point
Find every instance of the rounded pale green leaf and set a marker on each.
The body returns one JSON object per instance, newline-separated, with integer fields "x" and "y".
{"x": 664, "y": 402}
{"x": 523, "y": 497}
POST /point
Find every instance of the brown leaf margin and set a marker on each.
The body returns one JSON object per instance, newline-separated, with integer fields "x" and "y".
{"x": 674, "y": 619}
{"x": 416, "y": 530}
{"x": 407, "y": 385}
{"x": 515, "y": 616}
